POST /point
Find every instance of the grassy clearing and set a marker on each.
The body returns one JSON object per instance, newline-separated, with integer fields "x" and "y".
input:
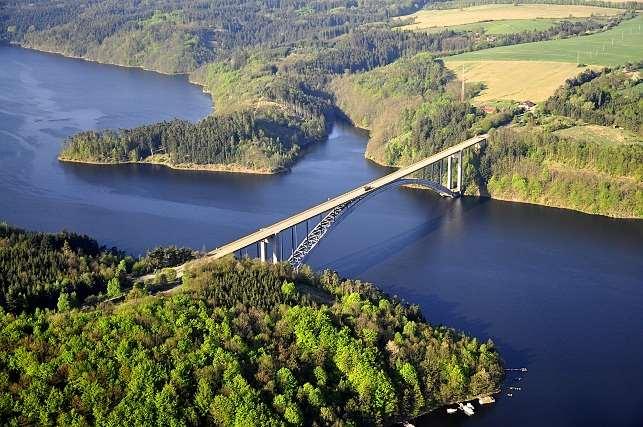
{"x": 515, "y": 80}
{"x": 425, "y": 19}
{"x": 613, "y": 47}
{"x": 518, "y": 25}
{"x": 600, "y": 135}
{"x": 507, "y": 26}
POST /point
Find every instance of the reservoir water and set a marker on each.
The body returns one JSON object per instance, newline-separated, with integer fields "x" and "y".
{"x": 560, "y": 293}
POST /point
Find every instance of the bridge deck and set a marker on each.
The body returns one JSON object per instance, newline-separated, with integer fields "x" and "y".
{"x": 319, "y": 209}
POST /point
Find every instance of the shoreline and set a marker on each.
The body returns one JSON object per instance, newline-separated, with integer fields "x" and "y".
{"x": 555, "y": 206}
{"x": 187, "y": 75}
{"x": 455, "y": 402}
{"x": 95, "y": 61}
{"x": 512, "y": 200}
{"x": 220, "y": 168}
{"x": 215, "y": 168}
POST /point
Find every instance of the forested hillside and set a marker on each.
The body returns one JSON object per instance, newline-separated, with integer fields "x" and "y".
{"x": 231, "y": 141}
{"x": 178, "y": 36}
{"x": 583, "y": 151}
{"x": 608, "y": 98}
{"x": 240, "y": 343}
{"x": 412, "y": 108}
{"x": 35, "y": 268}
{"x": 41, "y": 270}
{"x": 270, "y": 61}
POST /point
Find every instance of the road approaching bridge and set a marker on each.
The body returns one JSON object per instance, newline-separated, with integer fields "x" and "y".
{"x": 327, "y": 214}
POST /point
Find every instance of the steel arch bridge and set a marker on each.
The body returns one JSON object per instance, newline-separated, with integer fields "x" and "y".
{"x": 441, "y": 172}
{"x": 334, "y": 217}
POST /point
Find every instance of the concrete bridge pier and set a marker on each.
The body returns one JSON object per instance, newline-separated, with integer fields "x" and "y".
{"x": 263, "y": 249}
{"x": 276, "y": 248}
{"x": 450, "y": 166}
{"x": 431, "y": 175}
{"x": 458, "y": 188}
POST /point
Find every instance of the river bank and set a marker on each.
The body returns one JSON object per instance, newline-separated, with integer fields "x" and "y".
{"x": 553, "y": 205}
{"x": 547, "y": 284}
{"x": 549, "y": 204}
{"x": 158, "y": 161}
{"x": 434, "y": 411}
{"x": 372, "y": 152}
{"x": 553, "y": 197}
{"x": 93, "y": 60}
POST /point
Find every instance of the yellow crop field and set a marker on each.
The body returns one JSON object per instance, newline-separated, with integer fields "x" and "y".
{"x": 425, "y": 19}
{"x": 515, "y": 80}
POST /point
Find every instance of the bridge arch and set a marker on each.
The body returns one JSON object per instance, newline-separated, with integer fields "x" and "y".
{"x": 331, "y": 211}
{"x": 337, "y": 214}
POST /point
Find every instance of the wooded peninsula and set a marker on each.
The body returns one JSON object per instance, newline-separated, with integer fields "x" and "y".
{"x": 280, "y": 75}
{"x": 83, "y": 341}
{"x": 90, "y": 335}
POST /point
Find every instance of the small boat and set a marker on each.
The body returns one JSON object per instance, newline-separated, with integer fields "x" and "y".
{"x": 452, "y": 410}
{"x": 485, "y": 400}
{"x": 467, "y": 409}
{"x": 407, "y": 424}
{"x": 510, "y": 394}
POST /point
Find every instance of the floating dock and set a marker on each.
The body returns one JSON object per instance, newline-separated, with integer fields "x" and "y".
{"x": 486, "y": 400}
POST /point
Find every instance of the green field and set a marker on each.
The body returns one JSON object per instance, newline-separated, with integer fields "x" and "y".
{"x": 518, "y": 25}
{"x": 600, "y": 134}
{"x": 507, "y": 26}
{"x": 619, "y": 45}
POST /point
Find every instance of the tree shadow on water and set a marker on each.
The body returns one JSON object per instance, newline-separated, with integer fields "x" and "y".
{"x": 436, "y": 309}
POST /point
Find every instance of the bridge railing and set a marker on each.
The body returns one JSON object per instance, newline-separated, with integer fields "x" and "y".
{"x": 271, "y": 237}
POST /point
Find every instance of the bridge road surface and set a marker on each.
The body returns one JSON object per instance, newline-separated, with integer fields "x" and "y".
{"x": 271, "y": 230}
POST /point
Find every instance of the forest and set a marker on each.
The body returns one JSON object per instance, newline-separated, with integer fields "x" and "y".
{"x": 178, "y": 36}
{"x": 42, "y": 270}
{"x": 537, "y": 161}
{"x": 607, "y": 98}
{"x": 240, "y": 342}
{"x": 537, "y": 166}
{"x": 412, "y": 108}
{"x": 236, "y": 139}
{"x": 271, "y": 62}
{"x": 456, "y": 4}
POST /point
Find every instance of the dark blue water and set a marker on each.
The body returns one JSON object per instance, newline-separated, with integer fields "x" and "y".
{"x": 560, "y": 293}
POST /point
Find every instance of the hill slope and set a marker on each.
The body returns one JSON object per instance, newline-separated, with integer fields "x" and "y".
{"x": 240, "y": 343}
{"x": 616, "y": 46}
